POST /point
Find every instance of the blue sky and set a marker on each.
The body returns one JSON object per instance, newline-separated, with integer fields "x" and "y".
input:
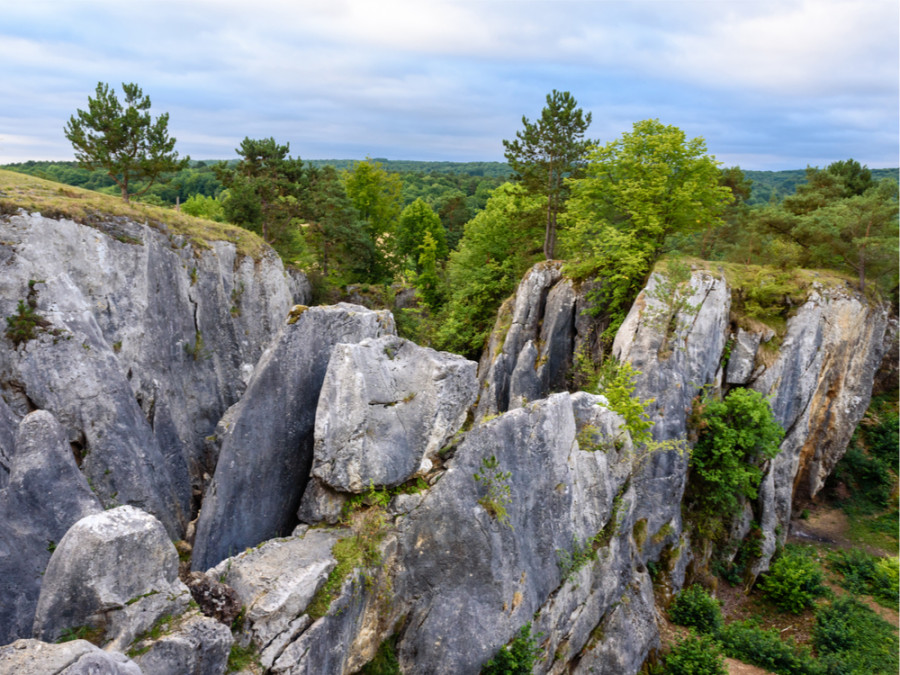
{"x": 769, "y": 85}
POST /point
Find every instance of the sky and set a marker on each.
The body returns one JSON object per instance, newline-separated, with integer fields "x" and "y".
{"x": 768, "y": 85}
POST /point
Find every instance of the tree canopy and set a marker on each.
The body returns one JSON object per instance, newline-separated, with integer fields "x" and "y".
{"x": 547, "y": 152}
{"x": 124, "y": 141}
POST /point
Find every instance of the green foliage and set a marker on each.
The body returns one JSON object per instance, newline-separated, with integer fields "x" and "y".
{"x": 241, "y": 659}
{"x": 736, "y": 435}
{"x": 428, "y": 282}
{"x": 123, "y": 141}
{"x": 695, "y": 608}
{"x": 24, "y": 324}
{"x": 638, "y": 191}
{"x": 516, "y": 658}
{"x": 749, "y": 643}
{"x": 375, "y": 194}
{"x": 852, "y": 640}
{"x": 498, "y": 246}
{"x": 616, "y": 383}
{"x": 570, "y": 562}
{"x": 418, "y": 221}
{"x": 92, "y": 634}
{"x": 794, "y": 581}
{"x": 202, "y": 206}
{"x": 385, "y": 661}
{"x": 495, "y": 484}
{"x": 866, "y": 573}
{"x": 549, "y": 151}
{"x": 695, "y": 655}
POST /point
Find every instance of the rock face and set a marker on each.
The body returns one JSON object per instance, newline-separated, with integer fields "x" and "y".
{"x": 531, "y": 347}
{"x": 267, "y": 438}
{"x": 147, "y": 342}
{"x": 387, "y": 407}
{"x": 116, "y": 572}
{"x": 197, "y": 646}
{"x": 79, "y": 657}
{"x": 45, "y": 496}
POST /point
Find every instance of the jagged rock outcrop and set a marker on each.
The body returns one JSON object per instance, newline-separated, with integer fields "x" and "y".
{"x": 267, "y": 437}
{"x": 387, "y": 406}
{"x": 45, "y": 496}
{"x": 115, "y": 572}
{"x": 79, "y": 657}
{"x": 148, "y": 339}
{"x": 197, "y": 645}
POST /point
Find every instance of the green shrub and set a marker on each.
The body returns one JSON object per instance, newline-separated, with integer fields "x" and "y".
{"x": 496, "y": 489}
{"x": 385, "y": 661}
{"x": 516, "y": 658}
{"x": 695, "y": 608}
{"x": 866, "y": 573}
{"x": 24, "y": 324}
{"x": 793, "y": 582}
{"x": 735, "y": 436}
{"x": 764, "y": 648}
{"x": 852, "y": 640}
{"x": 695, "y": 655}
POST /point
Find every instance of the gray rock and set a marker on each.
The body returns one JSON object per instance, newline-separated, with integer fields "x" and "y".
{"x": 79, "y": 657}
{"x": 214, "y": 599}
{"x": 116, "y": 571}
{"x": 743, "y": 356}
{"x": 8, "y": 425}
{"x": 126, "y": 302}
{"x": 197, "y": 646}
{"x": 45, "y": 496}
{"x": 321, "y": 504}
{"x": 267, "y": 438}
{"x": 276, "y": 583}
{"x": 387, "y": 406}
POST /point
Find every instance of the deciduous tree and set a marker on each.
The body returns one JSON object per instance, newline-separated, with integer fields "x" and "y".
{"x": 123, "y": 140}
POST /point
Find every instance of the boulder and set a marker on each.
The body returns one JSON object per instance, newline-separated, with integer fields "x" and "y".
{"x": 387, "y": 407}
{"x": 215, "y": 599}
{"x": 196, "y": 646}
{"x": 267, "y": 437}
{"x": 115, "y": 572}
{"x": 276, "y": 583}
{"x": 45, "y": 496}
{"x": 79, "y": 657}
{"x": 743, "y": 357}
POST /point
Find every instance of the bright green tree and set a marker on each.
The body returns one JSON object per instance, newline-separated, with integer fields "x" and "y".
{"x": 202, "y": 206}
{"x": 427, "y": 280}
{"x": 124, "y": 141}
{"x": 265, "y": 191}
{"x": 638, "y": 191}
{"x": 376, "y": 195}
{"x": 417, "y": 221}
{"x": 547, "y": 152}
{"x": 498, "y": 246}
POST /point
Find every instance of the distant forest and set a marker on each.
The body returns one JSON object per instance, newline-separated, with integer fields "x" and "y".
{"x": 435, "y": 182}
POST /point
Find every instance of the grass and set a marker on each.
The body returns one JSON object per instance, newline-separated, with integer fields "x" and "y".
{"x": 56, "y": 200}
{"x": 242, "y": 658}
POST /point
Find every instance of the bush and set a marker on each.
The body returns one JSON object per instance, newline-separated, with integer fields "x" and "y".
{"x": 516, "y": 658}
{"x": 765, "y": 648}
{"x": 695, "y": 608}
{"x": 852, "y": 640}
{"x": 793, "y": 582}
{"x": 695, "y": 655}
{"x": 866, "y": 573}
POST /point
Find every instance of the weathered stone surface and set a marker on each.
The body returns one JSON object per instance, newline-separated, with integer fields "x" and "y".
{"x": 8, "y": 425}
{"x": 538, "y": 316}
{"x": 126, "y": 303}
{"x": 79, "y": 657}
{"x": 197, "y": 646}
{"x": 45, "y": 496}
{"x": 321, "y": 504}
{"x": 460, "y": 561}
{"x": 819, "y": 386}
{"x": 275, "y": 583}
{"x": 116, "y": 571}
{"x": 743, "y": 356}
{"x": 267, "y": 437}
{"x": 387, "y": 406}
{"x": 215, "y": 599}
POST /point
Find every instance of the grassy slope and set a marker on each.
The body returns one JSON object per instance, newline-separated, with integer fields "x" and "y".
{"x": 55, "y": 200}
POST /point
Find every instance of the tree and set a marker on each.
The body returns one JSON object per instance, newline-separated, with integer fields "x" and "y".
{"x": 548, "y": 151}
{"x": 418, "y": 220}
{"x": 638, "y": 191}
{"x": 123, "y": 141}
{"x": 376, "y": 195}
{"x": 265, "y": 189}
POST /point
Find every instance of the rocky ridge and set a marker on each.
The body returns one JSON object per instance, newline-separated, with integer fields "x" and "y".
{"x": 541, "y": 514}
